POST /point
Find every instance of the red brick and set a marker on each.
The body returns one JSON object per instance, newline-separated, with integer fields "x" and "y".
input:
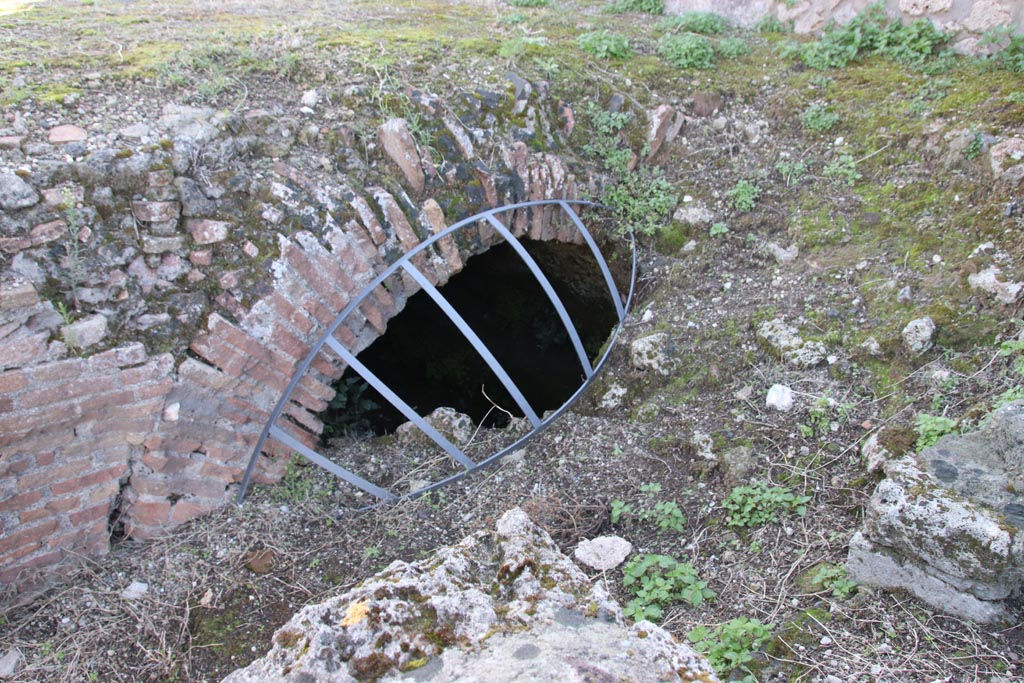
{"x": 167, "y": 464}
{"x": 374, "y": 315}
{"x": 323, "y": 276}
{"x": 23, "y": 422}
{"x": 45, "y": 459}
{"x": 12, "y": 381}
{"x": 57, "y": 371}
{"x": 58, "y": 437}
{"x": 221, "y": 472}
{"x": 64, "y": 504}
{"x": 91, "y": 479}
{"x": 287, "y": 343}
{"x": 184, "y": 510}
{"x": 369, "y": 220}
{"x": 122, "y": 356}
{"x": 156, "y": 369}
{"x": 306, "y": 420}
{"x": 91, "y": 515}
{"x": 104, "y": 492}
{"x": 16, "y": 464}
{"x": 97, "y": 402}
{"x": 65, "y": 391}
{"x": 20, "y": 501}
{"x": 29, "y": 516}
{"x": 31, "y": 536}
{"x": 39, "y": 478}
{"x": 149, "y": 514}
{"x": 219, "y": 354}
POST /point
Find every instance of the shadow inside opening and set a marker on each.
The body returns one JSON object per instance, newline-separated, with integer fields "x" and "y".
{"x": 427, "y": 362}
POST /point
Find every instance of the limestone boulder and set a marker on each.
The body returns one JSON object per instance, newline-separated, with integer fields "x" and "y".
{"x": 946, "y": 524}
{"x": 499, "y": 606}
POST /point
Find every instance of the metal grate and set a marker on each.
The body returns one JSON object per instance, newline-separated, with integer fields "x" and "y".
{"x": 404, "y": 265}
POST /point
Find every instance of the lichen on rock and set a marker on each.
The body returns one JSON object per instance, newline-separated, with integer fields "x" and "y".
{"x": 477, "y": 603}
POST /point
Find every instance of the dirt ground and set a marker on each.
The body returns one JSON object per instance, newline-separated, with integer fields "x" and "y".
{"x": 886, "y": 207}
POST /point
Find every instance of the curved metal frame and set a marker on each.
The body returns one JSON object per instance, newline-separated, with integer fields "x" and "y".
{"x": 405, "y": 265}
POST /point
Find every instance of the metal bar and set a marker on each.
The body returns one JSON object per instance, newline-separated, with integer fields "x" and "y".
{"x": 548, "y": 289}
{"x": 475, "y": 340}
{"x": 328, "y": 338}
{"x": 335, "y": 469}
{"x": 403, "y": 407}
{"x": 612, "y": 289}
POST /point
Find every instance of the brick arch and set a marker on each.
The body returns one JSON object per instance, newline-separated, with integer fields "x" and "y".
{"x": 240, "y": 367}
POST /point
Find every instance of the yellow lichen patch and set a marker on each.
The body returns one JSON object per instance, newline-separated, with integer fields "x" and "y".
{"x": 357, "y": 611}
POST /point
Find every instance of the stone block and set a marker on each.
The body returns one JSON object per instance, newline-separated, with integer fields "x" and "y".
{"x": 86, "y": 332}
{"x": 205, "y": 231}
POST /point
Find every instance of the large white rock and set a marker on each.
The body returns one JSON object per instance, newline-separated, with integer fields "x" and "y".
{"x": 502, "y": 607}
{"x": 780, "y": 397}
{"x": 988, "y": 281}
{"x": 917, "y": 335}
{"x": 603, "y": 553}
{"x": 948, "y": 524}
{"x": 650, "y": 353}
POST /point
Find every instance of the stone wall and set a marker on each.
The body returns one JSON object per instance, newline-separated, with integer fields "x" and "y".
{"x": 215, "y": 242}
{"x": 967, "y": 19}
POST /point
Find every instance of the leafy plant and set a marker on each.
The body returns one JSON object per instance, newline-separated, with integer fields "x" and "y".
{"x": 297, "y": 486}
{"x": 770, "y": 24}
{"x": 1016, "y": 97}
{"x": 743, "y": 195}
{"x": 1008, "y": 48}
{"x": 931, "y": 428}
{"x": 718, "y": 229}
{"x": 687, "y": 51}
{"x": 665, "y": 514}
{"x": 513, "y": 19}
{"x": 349, "y": 411}
{"x": 516, "y": 47}
{"x": 1011, "y": 394}
{"x": 644, "y": 6}
{"x": 818, "y": 118}
{"x": 732, "y": 48}
{"x": 642, "y": 201}
{"x": 705, "y": 23}
{"x": 1014, "y": 348}
{"x": 604, "y": 45}
{"x": 791, "y": 171}
{"x": 758, "y": 504}
{"x": 975, "y": 147}
{"x": 528, "y": 3}
{"x": 842, "y": 168}
{"x": 870, "y": 32}
{"x": 606, "y": 141}
{"x": 730, "y": 645}
{"x": 832, "y": 577}
{"x": 657, "y": 581}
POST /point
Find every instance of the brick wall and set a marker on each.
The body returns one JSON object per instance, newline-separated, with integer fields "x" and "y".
{"x": 153, "y": 442}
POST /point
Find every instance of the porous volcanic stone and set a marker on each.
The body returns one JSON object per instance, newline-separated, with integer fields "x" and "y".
{"x": 499, "y": 607}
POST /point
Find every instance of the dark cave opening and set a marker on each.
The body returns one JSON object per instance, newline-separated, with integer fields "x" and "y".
{"x": 424, "y": 359}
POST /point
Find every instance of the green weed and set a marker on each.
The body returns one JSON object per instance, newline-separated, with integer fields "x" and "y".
{"x": 792, "y": 172}
{"x": 817, "y": 117}
{"x": 758, "y": 504}
{"x": 657, "y": 581}
{"x": 642, "y": 201}
{"x": 832, "y": 577}
{"x": 665, "y": 514}
{"x": 718, "y": 229}
{"x": 870, "y": 32}
{"x": 605, "y": 45}
{"x": 731, "y": 645}
{"x": 843, "y": 168}
{"x": 528, "y": 3}
{"x": 643, "y": 6}
{"x": 705, "y": 23}
{"x": 732, "y": 48}
{"x": 687, "y": 51}
{"x": 931, "y": 428}
{"x": 743, "y": 196}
